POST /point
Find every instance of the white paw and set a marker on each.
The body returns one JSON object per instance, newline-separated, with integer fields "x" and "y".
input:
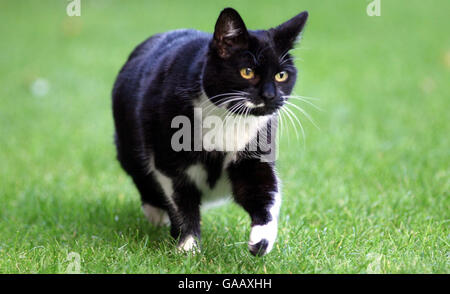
{"x": 155, "y": 215}
{"x": 189, "y": 244}
{"x": 262, "y": 238}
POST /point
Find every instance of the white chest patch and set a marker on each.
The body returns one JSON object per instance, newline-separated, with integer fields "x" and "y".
{"x": 221, "y": 192}
{"x": 224, "y": 131}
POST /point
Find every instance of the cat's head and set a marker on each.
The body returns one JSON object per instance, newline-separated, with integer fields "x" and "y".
{"x": 250, "y": 71}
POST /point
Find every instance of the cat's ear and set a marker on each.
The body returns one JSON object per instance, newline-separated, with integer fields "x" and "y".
{"x": 230, "y": 33}
{"x": 286, "y": 34}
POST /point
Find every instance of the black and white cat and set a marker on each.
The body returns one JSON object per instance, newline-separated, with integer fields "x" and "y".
{"x": 235, "y": 74}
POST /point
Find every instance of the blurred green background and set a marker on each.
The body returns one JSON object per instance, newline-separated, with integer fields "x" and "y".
{"x": 366, "y": 192}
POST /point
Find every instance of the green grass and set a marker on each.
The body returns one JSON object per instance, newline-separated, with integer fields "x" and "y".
{"x": 367, "y": 192}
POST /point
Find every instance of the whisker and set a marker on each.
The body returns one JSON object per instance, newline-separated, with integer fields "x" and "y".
{"x": 288, "y": 119}
{"x": 282, "y": 126}
{"x": 280, "y": 121}
{"x": 289, "y": 59}
{"x": 280, "y": 113}
{"x": 241, "y": 92}
{"x": 304, "y": 100}
{"x": 280, "y": 59}
{"x": 298, "y": 121}
{"x": 305, "y": 97}
{"x": 278, "y": 129}
{"x": 211, "y": 99}
{"x": 283, "y": 123}
{"x": 289, "y": 114}
{"x": 219, "y": 95}
{"x": 232, "y": 111}
{"x": 241, "y": 112}
{"x": 223, "y": 102}
{"x": 303, "y": 112}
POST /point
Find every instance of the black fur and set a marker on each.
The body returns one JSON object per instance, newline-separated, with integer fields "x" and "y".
{"x": 162, "y": 78}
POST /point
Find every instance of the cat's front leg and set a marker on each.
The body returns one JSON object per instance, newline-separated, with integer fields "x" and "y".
{"x": 256, "y": 188}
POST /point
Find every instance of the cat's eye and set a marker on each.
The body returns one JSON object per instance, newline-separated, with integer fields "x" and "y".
{"x": 247, "y": 73}
{"x": 281, "y": 76}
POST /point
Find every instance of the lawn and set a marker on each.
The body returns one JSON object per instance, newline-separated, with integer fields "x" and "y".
{"x": 365, "y": 192}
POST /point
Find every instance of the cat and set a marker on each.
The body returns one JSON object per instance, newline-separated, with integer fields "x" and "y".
{"x": 236, "y": 74}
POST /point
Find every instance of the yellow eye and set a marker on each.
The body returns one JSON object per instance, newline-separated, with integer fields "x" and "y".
{"x": 247, "y": 73}
{"x": 281, "y": 76}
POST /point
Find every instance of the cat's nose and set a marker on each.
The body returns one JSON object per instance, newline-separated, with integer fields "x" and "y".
{"x": 268, "y": 92}
{"x": 268, "y": 96}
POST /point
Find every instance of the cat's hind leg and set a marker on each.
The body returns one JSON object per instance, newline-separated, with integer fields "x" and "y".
{"x": 153, "y": 199}
{"x": 180, "y": 198}
{"x": 155, "y": 215}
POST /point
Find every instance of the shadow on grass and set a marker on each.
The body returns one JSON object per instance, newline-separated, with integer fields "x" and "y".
{"x": 102, "y": 221}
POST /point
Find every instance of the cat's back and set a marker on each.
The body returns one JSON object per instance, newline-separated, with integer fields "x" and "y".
{"x": 162, "y": 55}
{"x": 170, "y": 42}
{"x": 163, "y": 48}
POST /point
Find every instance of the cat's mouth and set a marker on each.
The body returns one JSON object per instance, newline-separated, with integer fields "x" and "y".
{"x": 252, "y": 105}
{"x": 239, "y": 103}
{"x": 249, "y": 108}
